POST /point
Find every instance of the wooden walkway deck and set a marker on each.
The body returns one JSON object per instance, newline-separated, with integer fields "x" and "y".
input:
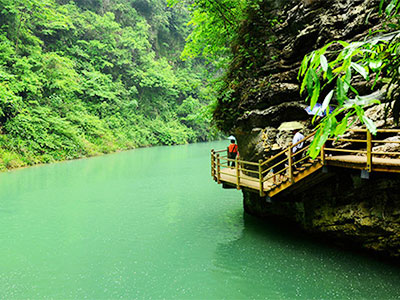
{"x": 391, "y": 165}
{"x": 302, "y": 172}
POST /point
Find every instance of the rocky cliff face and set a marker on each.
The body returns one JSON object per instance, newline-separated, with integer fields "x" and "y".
{"x": 352, "y": 211}
{"x": 262, "y": 87}
{"x": 262, "y": 91}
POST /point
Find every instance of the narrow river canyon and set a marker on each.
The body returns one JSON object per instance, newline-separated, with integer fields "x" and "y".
{"x": 151, "y": 223}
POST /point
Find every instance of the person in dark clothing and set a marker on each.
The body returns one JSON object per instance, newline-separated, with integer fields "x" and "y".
{"x": 232, "y": 152}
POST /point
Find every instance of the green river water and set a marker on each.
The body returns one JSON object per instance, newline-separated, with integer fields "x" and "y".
{"x": 151, "y": 223}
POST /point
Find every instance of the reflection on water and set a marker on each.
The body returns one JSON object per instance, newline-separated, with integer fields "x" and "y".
{"x": 150, "y": 223}
{"x": 272, "y": 261}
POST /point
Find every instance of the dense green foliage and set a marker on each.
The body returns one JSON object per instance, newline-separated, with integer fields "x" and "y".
{"x": 329, "y": 73}
{"x": 223, "y": 33}
{"x": 215, "y": 25}
{"x": 78, "y": 78}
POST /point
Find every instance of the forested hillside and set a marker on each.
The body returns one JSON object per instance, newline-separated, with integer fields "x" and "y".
{"x": 84, "y": 77}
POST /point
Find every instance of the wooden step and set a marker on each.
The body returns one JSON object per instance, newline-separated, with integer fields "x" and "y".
{"x": 306, "y": 165}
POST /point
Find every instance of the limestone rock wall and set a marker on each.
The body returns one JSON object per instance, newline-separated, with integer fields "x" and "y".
{"x": 263, "y": 92}
{"x": 352, "y": 211}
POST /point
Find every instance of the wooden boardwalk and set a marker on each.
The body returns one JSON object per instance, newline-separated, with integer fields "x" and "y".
{"x": 391, "y": 165}
{"x": 228, "y": 175}
{"x": 298, "y": 170}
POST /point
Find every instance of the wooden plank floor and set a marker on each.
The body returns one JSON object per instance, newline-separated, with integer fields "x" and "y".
{"x": 360, "y": 162}
{"x": 228, "y": 175}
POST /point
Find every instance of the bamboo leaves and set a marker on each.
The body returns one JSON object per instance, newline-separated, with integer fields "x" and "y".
{"x": 324, "y": 63}
{"x": 341, "y": 64}
{"x": 327, "y": 100}
{"x": 361, "y": 70}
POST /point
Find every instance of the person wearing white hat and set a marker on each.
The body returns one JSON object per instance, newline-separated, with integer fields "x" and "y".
{"x": 232, "y": 150}
{"x": 298, "y": 136}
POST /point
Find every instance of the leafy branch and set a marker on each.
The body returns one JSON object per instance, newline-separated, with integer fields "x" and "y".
{"x": 329, "y": 75}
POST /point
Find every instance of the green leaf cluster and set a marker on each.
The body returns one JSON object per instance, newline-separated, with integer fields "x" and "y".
{"x": 330, "y": 75}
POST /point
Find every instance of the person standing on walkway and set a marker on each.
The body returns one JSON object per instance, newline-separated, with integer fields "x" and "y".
{"x": 298, "y": 136}
{"x": 232, "y": 150}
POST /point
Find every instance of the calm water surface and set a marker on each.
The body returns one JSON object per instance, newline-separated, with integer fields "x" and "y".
{"x": 150, "y": 223}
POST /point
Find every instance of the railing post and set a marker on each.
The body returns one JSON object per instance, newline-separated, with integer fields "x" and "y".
{"x": 323, "y": 154}
{"x": 237, "y": 174}
{"x": 290, "y": 162}
{"x": 218, "y": 169}
{"x": 369, "y": 151}
{"x": 262, "y": 194}
{"x": 213, "y": 164}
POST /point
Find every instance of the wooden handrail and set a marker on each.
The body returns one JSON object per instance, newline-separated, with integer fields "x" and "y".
{"x": 284, "y": 150}
{"x": 242, "y": 174}
{"x": 301, "y": 150}
{"x": 388, "y": 130}
{"x": 219, "y": 151}
{"x": 357, "y": 130}
{"x": 378, "y": 130}
{"x": 290, "y": 160}
{"x": 240, "y": 161}
{"x": 279, "y": 172}
{"x": 277, "y": 164}
{"x": 248, "y": 163}
{"x": 301, "y": 160}
{"x": 383, "y": 153}
{"x": 273, "y": 157}
{"x": 345, "y": 150}
{"x": 346, "y": 140}
{"x": 384, "y": 142}
{"x": 262, "y": 194}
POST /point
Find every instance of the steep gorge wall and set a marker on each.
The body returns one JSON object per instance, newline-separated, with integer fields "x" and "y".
{"x": 262, "y": 91}
{"x": 352, "y": 211}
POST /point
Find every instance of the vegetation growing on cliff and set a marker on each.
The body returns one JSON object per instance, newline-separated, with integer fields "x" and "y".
{"x": 79, "y": 78}
{"x": 232, "y": 34}
{"x": 330, "y": 74}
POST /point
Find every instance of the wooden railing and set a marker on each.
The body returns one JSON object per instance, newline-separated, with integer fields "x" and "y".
{"x": 287, "y": 164}
{"x": 262, "y": 171}
{"x": 367, "y": 150}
